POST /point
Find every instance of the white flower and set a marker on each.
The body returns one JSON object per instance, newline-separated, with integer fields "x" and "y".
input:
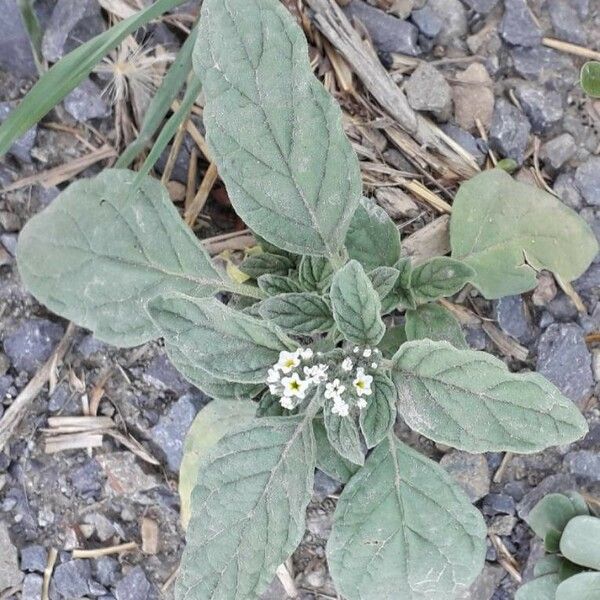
{"x": 361, "y": 403}
{"x": 374, "y": 365}
{"x": 356, "y": 349}
{"x": 340, "y": 408}
{"x": 273, "y": 376}
{"x": 334, "y": 390}
{"x": 316, "y": 373}
{"x": 288, "y": 361}
{"x": 367, "y": 352}
{"x": 362, "y": 383}
{"x": 274, "y": 389}
{"x": 287, "y": 402}
{"x": 347, "y": 364}
{"x": 294, "y": 386}
{"x": 306, "y": 353}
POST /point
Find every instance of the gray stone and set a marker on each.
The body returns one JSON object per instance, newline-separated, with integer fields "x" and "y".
{"x": 562, "y": 308}
{"x": 21, "y": 149}
{"x": 72, "y": 22}
{"x": 590, "y": 280}
{"x": 134, "y": 586}
{"x": 485, "y": 585}
{"x": 582, "y": 7}
{"x": 34, "y": 559}
{"x": 584, "y": 464}
{"x": 473, "y": 98}
{"x": 563, "y": 357}
{"x": 509, "y": 131}
{"x": 514, "y": 318}
{"x": 483, "y": 7}
{"x": 10, "y": 575}
{"x": 32, "y": 344}
{"x": 71, "y": 579}
{"x": 587, "y": 180}
{"x": 85, "y": 102}
{"x": 9, "y": 241}
{"x": 389, "y": 34}
{"x": 557, "y": 151}
{"x": 59, "y": 397}
{"x": 87, "y": 480}
{"x": 124, "y": 476}
{"x": 90, "y": 345}
{"x": 170, "y": 432}
{"x": 325, "y": 486}
{"x": 566, "y": 23}
{"x": 428, "y": 22}
{"x": 543, "y": 107}
{"x": 454, "y": 20}
{"x": 32, "y": 587}
{"x": 498, "y": 504}
{"x": 470, "y": 471}
{"x": 518, "y": 26}
{"x": 16, "y": 56}
{"x": 475, "y": 147}
{"x": 565, "y": 188}
{"x": 545, "y": 65}
{"x": 427, "y": 90}
{"x": 105, "y": 530}
{"x": 502, "y": 524}
{"x": 162, "y": 375}
{"x": 107, "y": 570}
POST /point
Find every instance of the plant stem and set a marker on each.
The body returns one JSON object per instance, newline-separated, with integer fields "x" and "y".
{"x": 243, "y": 289}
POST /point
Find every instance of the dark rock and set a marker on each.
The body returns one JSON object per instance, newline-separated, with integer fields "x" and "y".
{"x": 566, "y": 23}
{"x": 475, "y": 147}
{"x": 32, "y": 587}
{"x": 565, "y": 188}
{"x": 71, "y": 579}
{"x": 97, "y": 590}
{"x": 476, "y": 338}
{"x": 59, "y": 397}
{"x": 454, "y": 20}
{"x": 562, "y": 308}
{"x": 162, "y": 375}
{"x": 483, "y": 7}
{"x": 545, "y": 65}
{"x": 509, "y": 132}
{"x": 32, "y": 344}
{"x": 106, "y": 570}
{"x": 557, "y": 151}
{"x": 72, "y": 22}
{"x": 325, "y": 486}
{"x": 428, "y": 22}
{"x": 9, "y": 241}
{"x": 90, "y": 345}
{"x": 582, "y": 7}
{"x": 584, "y": 464}
{"x": 543, "y": 107}
{"x": 10, "y": 575}
{"x": 515, "y": 489}
{"x": 552, "y": 484}
{"x": 134, "y": 586}
{"x": 389, "y": 34}
{"x": 485, "y": 584}
{"x": 170, "y": 432}
{"x": 21, "y": 149}
{"x": 587, "y": 180}
{"x": 87, "y": 480}
{"x": 514, "y": 318}
{"x": 590, "y": 280}
{"x": 16, "y": 56}
{"x": 85, "y": 102}
{"x": 34, "y": 559}
{"x": 563, "y": 358}
{"x": 427, "y": 90}
{"x": 498, "y": 504}
{"x": 470, "y": 471}
{"x": 518, "y": 26}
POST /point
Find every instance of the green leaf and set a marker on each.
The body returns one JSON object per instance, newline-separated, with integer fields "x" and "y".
{"x": 508, "y": 231}
{"x": 378, "y": 417}
{"x": 274, "y": 132}
{"x": 585, "y": 586}
{"x": 343, "y": 435}
{"x": 553, "y": 512}
{"x": 315, "y": 273}
{"x": 439, "y": 277}
{"x": 263, "y": 263}
{"x": 212, "y": 423}
{"x": 248, "y": 509}
{"x": 383, "y": 280}
{"x": 356, "y": 305}
{"x": 270, "y": 406}
{"x": 579, "y": 541}
{"x": 373, "y": 239}
{"x": 542, "y": 588}
{"x": 328, "y": 460}
{"x": 552, "y": 541}
{"x": 102, "y": 249}
{"x": 434, "y": 322}
{"x": 392, "y": 340}
{"x": 304, "y": 312}
{"x": 590, "y": 78}
{"x": 404, "y": 529}
{"x": 401, "y": 296}
{"x": 547, "y": 565}
{"x": 276, "y": 284}
{"x": 226, "y": 343}
{"x": 469, "y": 400}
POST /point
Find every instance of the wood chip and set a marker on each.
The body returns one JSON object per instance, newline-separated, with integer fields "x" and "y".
{"x": 429, "y": 241}
{"x": 149, "y": 531}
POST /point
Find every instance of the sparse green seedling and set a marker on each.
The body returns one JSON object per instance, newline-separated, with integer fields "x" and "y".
{"x": 590, "y": 78}
{"x": 571, "y": 568}
{"x": 306, "y": 363}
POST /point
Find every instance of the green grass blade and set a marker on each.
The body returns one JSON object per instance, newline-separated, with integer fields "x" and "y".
{"x": 70, "y": 71}
{"x": 173, "y": 81}
{"x": 34, "y": 31}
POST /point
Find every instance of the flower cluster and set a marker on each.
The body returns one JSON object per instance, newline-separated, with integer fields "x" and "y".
{"x": 347, "y": 384}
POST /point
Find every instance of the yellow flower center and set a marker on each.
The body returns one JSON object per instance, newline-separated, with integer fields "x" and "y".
{"x": 294, "y": 385}
{"x": 289, "y": 363}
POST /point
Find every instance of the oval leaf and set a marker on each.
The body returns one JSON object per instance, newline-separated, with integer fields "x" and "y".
{"x": 404, "y": 529}
{"x": 303, "y": 312}
{"x": 590, "y": 78}
{"x": 580, "y": 541}
{"x": 274, "y": 132}
{"x": 248, "y": 509}
{"x": 343, "y": 435}
{"x": 262, "y": 263}
{"x": 102, "y": 249}
{"x": 378, "y": 417}
{"x": 356, "y": 305}
{"x": 384, "y": 279}
{"x": 553, "y": 512}
{"x": 542, "y": 588}
{"x": 401, "y": 295}
{"x": 212, "y": 423}
{"x": 585, "y": 586}
{"x": 226, "y": 343}
{"x": 315, "y": 273}
{"x": 276, "y": 284}
{"x": 328, "y": 460}
{"x": 507, "y": 231}
{"x": 434, "y": 322}
{"x": 469, "y": 400}
{"x": 439, "y": 277}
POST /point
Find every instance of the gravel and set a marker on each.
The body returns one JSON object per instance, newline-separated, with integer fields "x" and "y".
{"x": 427, "y": 90}
{"x": 514, "y": 318}
{"x": 543, "y": 107}
{"x": 134, "y": 586}
{"x": 509, "y": 131}
{"x": 518, "y": 26}
{"x": 86, "y": 102}
{"x": 470, "y": 471}
{"x": 587, "y": 180}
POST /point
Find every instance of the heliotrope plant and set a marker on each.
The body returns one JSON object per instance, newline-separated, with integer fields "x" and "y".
{"x": 305, "y": 361}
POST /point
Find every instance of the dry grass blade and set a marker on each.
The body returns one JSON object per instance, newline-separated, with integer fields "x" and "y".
{"x": 133, "y": 445}
{"x": 238, "y": 240}
{"x": 173, "y": 153}
{"x": 571, "y": 48}
{"x": 52, "y": 556}
{"x": 73, "y": 441}
{"x": 197, "y": 204}
{"x": 425, "y": 194}
{"x": 98, "y": 552}
{"x": 505, "y": 344}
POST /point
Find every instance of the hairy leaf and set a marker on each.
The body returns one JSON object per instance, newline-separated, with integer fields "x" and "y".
{"x": 392, "y": 340}
{"x": 102, "y": 249}
{"x": 469, "y": 400}
{"x": 226, "y": 343}
{"x": 270, "y": 406}
{"x": 315, "y": 273}
{"x": 356, "y": 305}
{"x": 434, "y": 322}
{"x": 274, "y": 131}
{"x": 276, "y": 284}
{"x": 439, "y": 277}
{"x": 248, "y": 509}
{"x": 507, "y": 231}
{"x": 554, "y": 511}
{"x": 383, "y": 280}
{"x": 372, "y": 239}
{"x": 579, "y": 541}
{"x": 585, "y": 586}
{"x": 542, "y": 588}
{"x": 304, "y": 312}
{"x": 343, "y": 435}
{"x": 378, "y": 417}
{"x": 259, "y": 264}
{"x": 404, "y": 529}
{"x": 328, "y": 460}
{"x": 401, "y": 295}
{"x": 211, "y": 424}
